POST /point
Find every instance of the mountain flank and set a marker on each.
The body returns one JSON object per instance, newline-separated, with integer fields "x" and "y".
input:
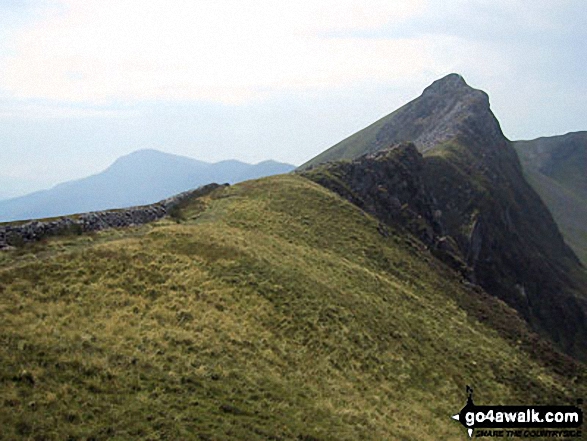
{"x": 447, "y": 109}
{"x": 557, "y": 169}
{"x": 276, "y": 310}
{"x": 458, "y": 185}
{"x": 140, "y": 178}
{"x": 354, "y": 300}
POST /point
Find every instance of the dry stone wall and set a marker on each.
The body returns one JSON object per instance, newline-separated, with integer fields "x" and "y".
{"x": 13, "y": 235}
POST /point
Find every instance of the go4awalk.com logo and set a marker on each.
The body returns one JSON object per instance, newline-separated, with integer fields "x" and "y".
{"x": 520, "y": 421}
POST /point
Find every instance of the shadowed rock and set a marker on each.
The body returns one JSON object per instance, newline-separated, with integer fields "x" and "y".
{"x": 457, "y": 185}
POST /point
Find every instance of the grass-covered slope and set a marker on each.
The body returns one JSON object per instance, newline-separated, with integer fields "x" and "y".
{"x": 481, "y": 218}
{"x": 273, "y": 310}
{"x": 557, "y": 169}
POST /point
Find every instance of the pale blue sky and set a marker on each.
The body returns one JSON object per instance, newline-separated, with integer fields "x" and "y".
{"x": 85, "y": 82}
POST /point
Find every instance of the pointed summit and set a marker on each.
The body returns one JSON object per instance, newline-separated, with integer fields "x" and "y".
{"x": 450, "y": 83}
{"x": 467, "y": 200}
{"x": 447, "y": 109}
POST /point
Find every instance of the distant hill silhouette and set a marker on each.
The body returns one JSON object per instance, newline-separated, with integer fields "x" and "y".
{"x": 142, "y": 177}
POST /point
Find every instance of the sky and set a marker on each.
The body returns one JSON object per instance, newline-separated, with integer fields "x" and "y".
{"x": 83, "y": 82}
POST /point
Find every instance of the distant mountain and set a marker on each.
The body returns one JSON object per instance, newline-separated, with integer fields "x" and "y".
{"x": 142, "y": 177}
{"x": 557, "y": 169}
{"x": 459, "y": 187}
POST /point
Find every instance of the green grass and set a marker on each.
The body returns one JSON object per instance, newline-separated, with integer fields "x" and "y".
{"x": 272, "y": 310}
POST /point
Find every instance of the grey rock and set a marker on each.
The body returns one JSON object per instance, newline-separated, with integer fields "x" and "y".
{"x": 15, "y": 235}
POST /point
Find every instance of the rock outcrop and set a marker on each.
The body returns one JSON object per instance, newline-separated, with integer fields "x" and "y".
{"x": 459, "y": 187}
{"x": 391, "y": 185}
{"x": 446, "y": 110}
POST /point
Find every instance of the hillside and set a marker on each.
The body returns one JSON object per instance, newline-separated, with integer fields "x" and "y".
{"x": 142, "y": 177}
{"x": 460, "y": 188}
{"x": 275, "y": 310}
{"x": 557, "y": 169}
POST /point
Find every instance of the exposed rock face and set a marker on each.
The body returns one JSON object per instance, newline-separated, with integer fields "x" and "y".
{"x": 467, "y": 200}
{"x": 387, "y": 184}
{"x": 17, "y": 234}
{"x": 446, "y": 110}
{"x": 391, "y": 185}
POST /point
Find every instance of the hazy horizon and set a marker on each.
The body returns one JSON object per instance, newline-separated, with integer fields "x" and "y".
{"x": 14, "y": 190}
{"x": 84, "y": 83}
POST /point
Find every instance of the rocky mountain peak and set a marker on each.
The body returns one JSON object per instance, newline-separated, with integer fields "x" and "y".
{"x": 463, "y": 194}
{"x": 448, "y": 110}
{"x": 454, "y": 110}
{"x": 471, "y": 207}
{"x": 450, "y": 83}
{"x": 453, "y": 89}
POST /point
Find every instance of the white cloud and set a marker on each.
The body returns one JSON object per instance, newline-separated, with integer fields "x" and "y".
{"x": 224, "y": 50}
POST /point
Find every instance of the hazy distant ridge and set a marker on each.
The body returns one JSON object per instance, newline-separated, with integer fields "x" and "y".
{"x": 142, "y": 177}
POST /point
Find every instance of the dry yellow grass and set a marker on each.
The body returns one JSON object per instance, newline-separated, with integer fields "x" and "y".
{"x": 275, "y": 310}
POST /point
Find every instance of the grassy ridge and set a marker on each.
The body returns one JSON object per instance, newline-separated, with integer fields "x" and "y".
{"x": 273, "y": 310}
